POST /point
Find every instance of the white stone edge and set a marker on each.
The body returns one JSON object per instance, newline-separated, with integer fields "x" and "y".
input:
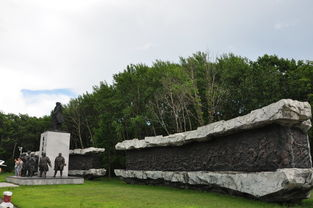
{"x": 80, "y": 151}
{"x": 55, "y": 132}
{"x": 86, "y": 150}
{"x": 286, "y": 112}
{"x": 94, "y": 172}
{"x": 46, "y": 181}
{"x": 257, "y": 184}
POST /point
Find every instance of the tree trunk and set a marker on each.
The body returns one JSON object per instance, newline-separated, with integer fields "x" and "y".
{"x": 90, "y": 133}
{"x": 109, "y": 161}
{"x": 14, "y": 149}
{"x": 80, "y": 137}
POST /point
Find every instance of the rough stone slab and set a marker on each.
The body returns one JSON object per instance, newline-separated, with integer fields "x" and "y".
{"x": 86, "y": 161}
{"x": 79, "y": 151}
{"x": 34, "y": 181}
{"x": 257, "y": 184}
{"x": 4, "y": 185}
{"x": 285, "y": 112}
{"x": 268, "y": 148}
{"x": 90, "y": 172}
{"x": 86, "y": 150}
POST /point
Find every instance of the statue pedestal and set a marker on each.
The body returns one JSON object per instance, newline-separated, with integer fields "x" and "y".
{"x": 35, "y": 180}
{"x": 53, "y": 143}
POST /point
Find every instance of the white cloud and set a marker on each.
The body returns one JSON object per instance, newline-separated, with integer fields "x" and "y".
{"x": 280, "y": 26}
{"x": 13, "y": 101}
{"x": 145, "y": 46}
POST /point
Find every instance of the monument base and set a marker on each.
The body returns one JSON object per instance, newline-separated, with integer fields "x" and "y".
{"x": 33, "y": 181}
{"x": 53, "y": 143}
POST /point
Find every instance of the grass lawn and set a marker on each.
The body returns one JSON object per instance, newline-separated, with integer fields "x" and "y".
{"x": 113, "y": 193}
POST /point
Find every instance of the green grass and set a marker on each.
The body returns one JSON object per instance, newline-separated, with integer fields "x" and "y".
{"x": 113, "y": 193}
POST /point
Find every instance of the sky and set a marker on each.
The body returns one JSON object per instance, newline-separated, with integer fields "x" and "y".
{"x": 56, "y": 50}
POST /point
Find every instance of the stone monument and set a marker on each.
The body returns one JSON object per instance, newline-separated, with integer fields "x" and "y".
{"x": 264, "y": 155}
{"x": 52, "y": 144}
{"x": 86, "y": 163}
{"x": 55, "y": 142}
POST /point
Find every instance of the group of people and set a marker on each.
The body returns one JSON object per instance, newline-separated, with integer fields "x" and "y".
{"x": 27, "y": 164}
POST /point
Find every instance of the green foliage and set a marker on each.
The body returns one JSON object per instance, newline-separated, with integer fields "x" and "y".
{"x": 19, "y": 130}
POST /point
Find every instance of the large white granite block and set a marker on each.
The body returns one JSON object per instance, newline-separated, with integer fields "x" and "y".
{"x": 53, "y": 143}
{"x": 289, "y": 184}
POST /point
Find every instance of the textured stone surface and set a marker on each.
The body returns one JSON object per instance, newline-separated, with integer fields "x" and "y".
{"x": 87, "y": 161}
{"x": 31, "y": 181}
{"x": 271, "y": 186}
{"x": 88, "y": 173}
{"x": 86, "y": 151}
{"x": 263, "y": 149}
{"x": 284, "y": 112}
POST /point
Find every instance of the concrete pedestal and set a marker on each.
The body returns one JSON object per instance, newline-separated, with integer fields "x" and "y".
{"x": 34, "y": 181}
{"x": 53, "y": 143}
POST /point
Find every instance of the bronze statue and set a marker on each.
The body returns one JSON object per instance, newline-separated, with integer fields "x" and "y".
{"x": 29, "y": 164}
{"x": 44, "y": 161}
{"x": 57, "y": 116}
{"x": 59, "y": 164}
{"x": 32, "y": 165}
{"x": 24, "y": 158}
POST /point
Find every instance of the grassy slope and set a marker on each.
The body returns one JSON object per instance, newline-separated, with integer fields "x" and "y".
{"x": 106, "y": 193}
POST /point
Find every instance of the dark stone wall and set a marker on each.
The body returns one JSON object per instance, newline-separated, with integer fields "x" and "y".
{"x": 85, "y": 162}
{"x": 263, "y": 149}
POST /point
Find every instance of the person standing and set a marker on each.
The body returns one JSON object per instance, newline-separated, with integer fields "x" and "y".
{"x": 20, "y": 166}
{"x": 59, "y": 164}
{"x": 44, "y": 161}
{"x": 16, "y": 166}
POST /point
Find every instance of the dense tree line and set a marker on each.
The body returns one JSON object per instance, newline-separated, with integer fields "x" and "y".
{"x": 20, "y": 131}
{"x": 168, "y": 97}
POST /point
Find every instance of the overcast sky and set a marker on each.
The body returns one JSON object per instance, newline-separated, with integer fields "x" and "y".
{"x": 55, "y": 50}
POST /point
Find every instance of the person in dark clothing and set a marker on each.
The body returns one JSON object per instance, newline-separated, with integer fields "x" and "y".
{"x": 59, "y": 164}
{"x": 44, "y": 161}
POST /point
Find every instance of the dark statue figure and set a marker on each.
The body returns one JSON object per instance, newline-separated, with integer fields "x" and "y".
{"x": 23, "y": 157}
{"x": 57, "y": 116}
{"x": 44, "y": 161}
{"x": 59, "y": 164}
{"x": 29, "y": 164}
{"x": 32, "y": 165}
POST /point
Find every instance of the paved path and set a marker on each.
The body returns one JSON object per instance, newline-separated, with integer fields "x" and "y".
{"x": 4, "y": 184}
